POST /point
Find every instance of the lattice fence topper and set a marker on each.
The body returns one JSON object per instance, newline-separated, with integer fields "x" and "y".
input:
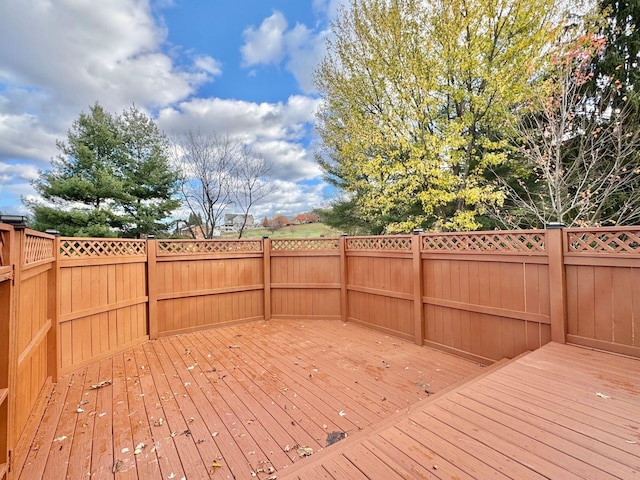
{"x": 74, "y": 248}
{"x": 3, "y": 242}
{"x": 511, "y": 242}
{"x": 311, "y": 244}
{"x": 37, "y": 249}
{"x": 379, "y": 243}
{"x": 186, "y": 247}
{"x": 604, "y": 241}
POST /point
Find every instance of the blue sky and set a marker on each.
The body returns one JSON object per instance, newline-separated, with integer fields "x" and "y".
{"x": 242, "y": 68}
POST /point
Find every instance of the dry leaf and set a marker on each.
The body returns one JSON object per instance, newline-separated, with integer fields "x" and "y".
{"x": 234, "y": 346}
{"x": 342, "y": 413}
{"x": 214, "y": 465}
{"x": 602, "y": 395}
{"x": 139, "y": 448}
{"x": 116, "y": 466}
{"x": 101, "y": 384}
{"x": 305, "y": 451}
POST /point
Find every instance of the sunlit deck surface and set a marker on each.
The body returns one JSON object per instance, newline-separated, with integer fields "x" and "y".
{"x": 237, "y": 402}
{"x": 232, "y": 402}
{"x": 561, "y": 412}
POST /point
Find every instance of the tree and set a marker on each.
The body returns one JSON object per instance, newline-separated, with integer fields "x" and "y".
{"x": 250, "y": 183}
{"x": 218, "y": 171}
{"x": 416, "y": 96}
{"x": 84, "y": 184}
{"x": 150, "y": 183}
{"x": 581, "y": 164}
{"x": 111, "y": 177}
{"x": 617, "y": 66}
{"x": 206, "y": 162}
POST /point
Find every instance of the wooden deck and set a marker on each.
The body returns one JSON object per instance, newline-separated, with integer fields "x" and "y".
{"x": 231, "y": 402}
{"x": 560, "y": 412}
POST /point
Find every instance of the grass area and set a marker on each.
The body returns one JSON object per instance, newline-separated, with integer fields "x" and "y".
{"x": 310, "y": 230}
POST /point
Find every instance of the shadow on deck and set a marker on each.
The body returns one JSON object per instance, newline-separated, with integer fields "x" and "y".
{"x": 237, "y": 402}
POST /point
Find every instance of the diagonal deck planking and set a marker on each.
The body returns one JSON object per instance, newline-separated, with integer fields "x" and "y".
{"x": 241, "y": 397}
{"x": 559, "y": 412}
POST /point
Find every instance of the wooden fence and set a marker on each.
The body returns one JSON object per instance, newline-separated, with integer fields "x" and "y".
{"x": 28, "y": 334}
{"x": 65, "y": 302}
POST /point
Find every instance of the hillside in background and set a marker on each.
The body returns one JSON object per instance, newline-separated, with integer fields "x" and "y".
{"x": 311, "y": 230}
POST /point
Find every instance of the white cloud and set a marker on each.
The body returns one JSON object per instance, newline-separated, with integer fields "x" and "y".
{"x": 57, "y": 58}
{"x": 265, "y": 44}
{"x": 328, "y": 8}
{"x": 300, "y": 47}
{"x": 290, "y": 198}
{"x": 274, "y": 130}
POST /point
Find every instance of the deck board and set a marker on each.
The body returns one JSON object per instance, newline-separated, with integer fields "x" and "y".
{"x": 236, "y": 402}
{"x": 245, "y": 408}
{"x": 539, "y": 416}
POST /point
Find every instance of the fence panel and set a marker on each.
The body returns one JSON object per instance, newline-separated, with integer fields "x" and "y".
{"x": 6, "y": 329}
{"x": 102, "y": 297}
{"x": 200, "y": 284}
{"x": 305, "y": 278}
{"x": 380, "y": 283}
{"x": 486, "y": 294}
{"x": 603, "y": 293}
{"x": 35, "y": 335}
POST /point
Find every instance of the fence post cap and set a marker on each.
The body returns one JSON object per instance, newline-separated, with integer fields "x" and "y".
{"x": 555, "y": 225}
{"x": 417, "y": 231}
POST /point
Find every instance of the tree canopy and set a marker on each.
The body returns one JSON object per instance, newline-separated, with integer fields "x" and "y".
{"x": 416, "y": 95}
{"x": 112, "y": 177}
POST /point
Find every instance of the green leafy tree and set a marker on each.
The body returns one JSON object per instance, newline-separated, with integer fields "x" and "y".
{"x": 416, "y": 97}
{"x": 150, "y": 182}
{"x": 617, "y": 67}
{"x": 112, "y": 177}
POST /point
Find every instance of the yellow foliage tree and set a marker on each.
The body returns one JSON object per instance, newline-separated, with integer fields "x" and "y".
{"x": 415, "y": 97}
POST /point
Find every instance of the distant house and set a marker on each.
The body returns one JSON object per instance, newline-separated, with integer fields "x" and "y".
{"x": 233, "y": 222}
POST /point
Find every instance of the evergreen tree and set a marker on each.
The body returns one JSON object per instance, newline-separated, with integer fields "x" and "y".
{"x": 112, "y": 177}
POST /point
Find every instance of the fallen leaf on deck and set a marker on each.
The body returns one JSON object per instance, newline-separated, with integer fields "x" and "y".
{"x": 342, "y": 413}
{"x": 139, "y": 448}
{"x": 287, "y": 448}
{"x": 101, "y": 384}
{"x": 235, "y": 346}
{"x": 334, "y": 437}
{"x": 305, "y": 451}
{"x": 124, "y": 450}
{"x": 631, "y": 442}
{"x": 187, "y": 351}
{"x": 214, "y": 434}
{"x": 116, "y": 466}
{"x": 59, "y": 439}
{"x": 602, "y": 395}
{"x": 79, "y": 410}
{"x": 386, "y": 365}
{"x": 272, "y": 477}
{"x": 158, "y": 422}
{"x": 190, "y": 367}
{"x": 214, "y": 465}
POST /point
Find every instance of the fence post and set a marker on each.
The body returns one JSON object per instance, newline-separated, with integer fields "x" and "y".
{"x": 266, "y": 249}
{"x": 557, "y": 282}
{"x": 152, "y": 289}
{"x": 344, "y": 297}
{"x": 53, "y": 310}
{"x": 418, "y": 310}
{"x": 17, "y": 255}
